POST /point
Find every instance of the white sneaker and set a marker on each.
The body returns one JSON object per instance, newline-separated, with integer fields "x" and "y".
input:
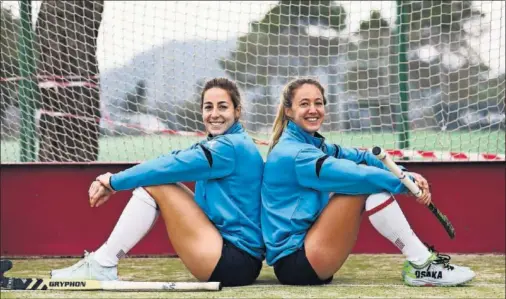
{"x": 86, "y": 268}
{"x": 437, "y": 271}
{"x": 76, "y": 265}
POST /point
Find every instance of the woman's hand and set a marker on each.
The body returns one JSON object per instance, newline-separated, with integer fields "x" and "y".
{"x": 422, "y": 183}
{"x": 98, "y": 194}
{"x": 105, "y": 179}
{"x": 100, "y": 190}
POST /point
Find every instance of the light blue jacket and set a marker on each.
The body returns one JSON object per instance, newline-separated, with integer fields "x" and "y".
{"x": 299, "y": 174}
{"x": 228, "y": 173}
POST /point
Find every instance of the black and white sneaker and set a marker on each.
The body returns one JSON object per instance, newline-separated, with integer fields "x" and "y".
{"x": 437, "y": 271}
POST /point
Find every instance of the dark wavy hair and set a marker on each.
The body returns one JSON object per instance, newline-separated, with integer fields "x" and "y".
{"x": 228, "y": 85}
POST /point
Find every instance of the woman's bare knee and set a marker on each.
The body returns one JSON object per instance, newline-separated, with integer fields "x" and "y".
{"x": 330, "y": 240}
{"x": 326, "y": 261}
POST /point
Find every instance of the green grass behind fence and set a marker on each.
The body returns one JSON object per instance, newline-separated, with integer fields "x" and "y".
{"x": 138, "y": 148}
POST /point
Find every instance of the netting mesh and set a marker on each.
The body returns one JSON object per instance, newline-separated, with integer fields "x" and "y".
{"x": 121, "y": 80}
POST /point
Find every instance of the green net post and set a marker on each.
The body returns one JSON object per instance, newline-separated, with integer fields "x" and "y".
{"x": 403, "y": 127}
{"x": 27, "y": 85}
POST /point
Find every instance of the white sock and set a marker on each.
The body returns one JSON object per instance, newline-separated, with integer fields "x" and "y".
{"x": 136, "y": 220}
{"x": 388, "y": 219}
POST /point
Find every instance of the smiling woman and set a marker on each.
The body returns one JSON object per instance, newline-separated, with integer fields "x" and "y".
{"x": 310, "y": 107}
{"x": 309, "y": 110}
{"x": 311, "y": 215}
{"x": 215, "y": 233}
{"x": 221, "y": 105}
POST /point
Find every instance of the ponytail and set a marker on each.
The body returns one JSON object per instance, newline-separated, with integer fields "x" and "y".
{"x": 279, "y": 125}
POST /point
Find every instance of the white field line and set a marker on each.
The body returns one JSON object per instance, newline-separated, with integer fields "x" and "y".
{"x": 352, "y": 285}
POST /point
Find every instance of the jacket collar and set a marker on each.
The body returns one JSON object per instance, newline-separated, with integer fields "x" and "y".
{"x": 235, "y": 128}
{"x": 298, "y": 133}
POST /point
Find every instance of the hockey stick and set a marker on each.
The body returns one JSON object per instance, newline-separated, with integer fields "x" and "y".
{"x": 10, "y": 283}
{"x": 390, "y": 164}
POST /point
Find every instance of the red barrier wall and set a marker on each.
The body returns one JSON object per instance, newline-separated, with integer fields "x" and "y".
{"x": 45, "y": 211}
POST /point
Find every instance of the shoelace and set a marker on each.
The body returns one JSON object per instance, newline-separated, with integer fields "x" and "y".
{"x": 441, "y": 259}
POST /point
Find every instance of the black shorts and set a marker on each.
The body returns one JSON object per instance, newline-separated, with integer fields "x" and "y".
{"x": 295, "y": 269}
{"x": 235, "y": 267}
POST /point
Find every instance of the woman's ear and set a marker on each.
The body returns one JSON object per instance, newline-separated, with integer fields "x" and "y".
{"x": 288, "y": 112}
{"x": 237, "y": 113}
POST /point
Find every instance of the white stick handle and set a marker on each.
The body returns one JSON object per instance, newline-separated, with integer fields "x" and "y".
{"x": 160, "y": 286}
{"x": 95, "y": 285}
{"x": 390, "y": 164}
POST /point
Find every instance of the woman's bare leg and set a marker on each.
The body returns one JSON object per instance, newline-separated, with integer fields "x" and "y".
{"x": 332, "y": 237}
{"x": 195, "y": 239}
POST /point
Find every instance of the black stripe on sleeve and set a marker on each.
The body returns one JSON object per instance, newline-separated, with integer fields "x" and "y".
{"x": 363, "y": 162}
{"x": 336, "y": 154}
{"x": 319, "y": 164}
{"x": 208, "y": 154}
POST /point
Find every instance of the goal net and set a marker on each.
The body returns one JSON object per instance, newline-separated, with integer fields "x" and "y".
{"x": 121, "y": 80}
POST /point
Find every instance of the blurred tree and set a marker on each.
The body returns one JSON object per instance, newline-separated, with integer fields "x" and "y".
{"x": 67, "y": 36}
{"x": 281, "y": 46}
{"x": 189, "y": 113}
{"x": 451, "y": 78}
{"x": 463, "y": 78}
{"x": 440, "y": 24}
{"x": 366, "y": 80}
{"x": 136, "y": 100}
{"x": 368, "y": 73}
